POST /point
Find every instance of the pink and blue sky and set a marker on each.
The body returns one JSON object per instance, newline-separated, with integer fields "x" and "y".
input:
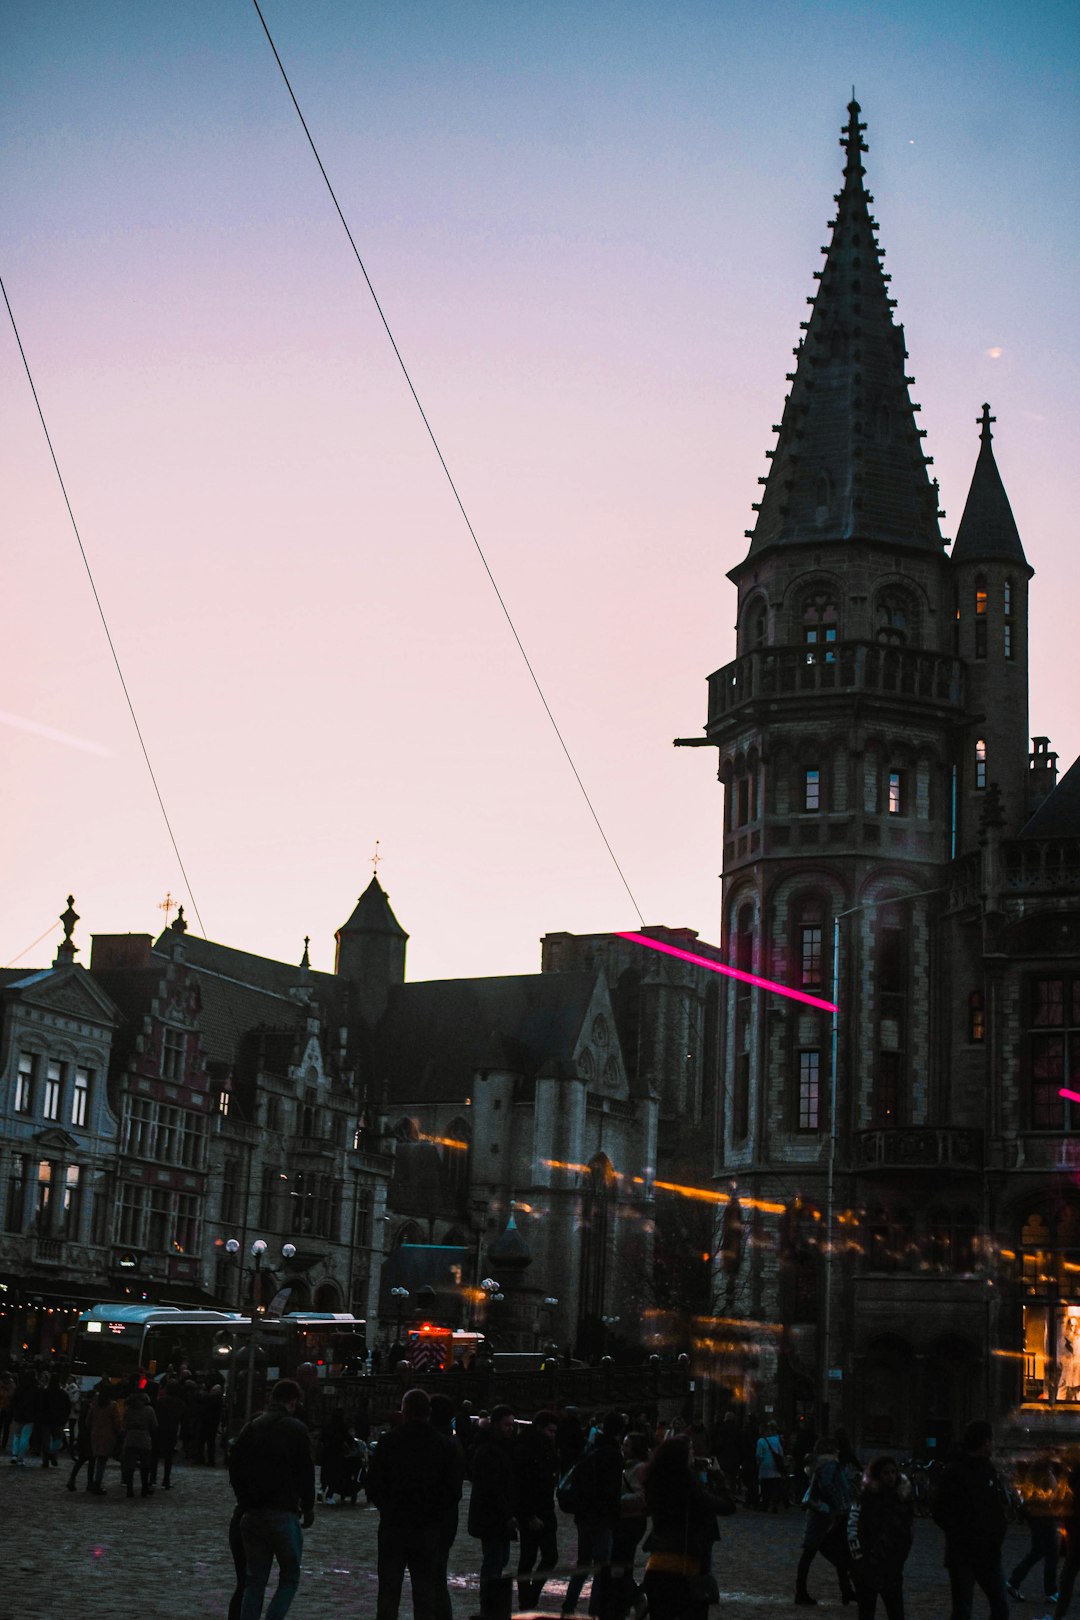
{"x": 593, "y": 229}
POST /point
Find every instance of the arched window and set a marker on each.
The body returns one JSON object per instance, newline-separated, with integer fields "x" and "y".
{"x": 980, "y": 764}
{"x": 820, "y": 625}
{"x": 755, "y": 625}
{"x": 895, "y": 619}
{"x": 809, "y": 926}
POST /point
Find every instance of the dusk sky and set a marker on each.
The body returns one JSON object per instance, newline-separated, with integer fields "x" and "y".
{"x": 593, "y": 229}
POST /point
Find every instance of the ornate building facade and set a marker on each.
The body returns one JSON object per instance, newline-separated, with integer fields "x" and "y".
{"x": 902, "y": 1218}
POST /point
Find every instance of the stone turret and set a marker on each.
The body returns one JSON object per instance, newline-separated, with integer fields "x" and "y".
{"x": 371, "y": 951}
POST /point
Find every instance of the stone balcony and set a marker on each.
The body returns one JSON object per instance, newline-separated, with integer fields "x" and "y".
{"x": 908, "y": 673}
{"x": 918, "y": 1147}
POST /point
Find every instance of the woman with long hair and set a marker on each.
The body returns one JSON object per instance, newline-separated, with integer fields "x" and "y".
{"x": 879, "y": 1538}
{"x": 678, "y": 1577}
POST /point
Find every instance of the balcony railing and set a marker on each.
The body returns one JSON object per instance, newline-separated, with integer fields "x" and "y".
{"x": 849, "y": 666}
{"x": 919, "y": 1147}
{"x": 49, "y": 1251}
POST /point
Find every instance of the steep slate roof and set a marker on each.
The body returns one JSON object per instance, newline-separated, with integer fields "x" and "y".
{"x": 849, "y": 418}
{"x": 242, "y": 966}
{"x": 372, "y": 914}
{"x": 988, "y": 529}
{"x": 435, "y": 1035}
{"x": 1059, "y": 814}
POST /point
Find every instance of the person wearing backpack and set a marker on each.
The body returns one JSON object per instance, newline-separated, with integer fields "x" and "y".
{"x": 827, "y": 1502}
{"x": 594, "y": 1499}
{"x": 771, "y": 1470}
{"x": 273, "y": 1476}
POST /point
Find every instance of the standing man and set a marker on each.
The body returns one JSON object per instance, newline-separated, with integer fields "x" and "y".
{"x": 273, "y": 1475}
{"x": 537, "y": 1468}
{"x": 414, "y": 1480}
{"x": 971, "y": 1509}
{"x": 493, "y": 1511}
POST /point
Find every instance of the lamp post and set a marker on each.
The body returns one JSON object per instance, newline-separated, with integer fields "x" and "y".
{"x": 610, "y": 1323}
{"x": 493, "y": 1295}
{"x": 399, "y": 1295}
{"x": 258, "y": 1250}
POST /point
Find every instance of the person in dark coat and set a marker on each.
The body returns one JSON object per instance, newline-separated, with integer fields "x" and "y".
{"x": 827, "y": 1503}
{"x": 537, "y": 1468}
{"x": 137, "y": 1443}
{"x": 596, "y": 1522}
{"x": 208, "y": 1409}
{"x": 678, "y": 1581}
{"x": 273, "y": 1477}
{"x": 81, "y": 1454}
{"x": 54, "y": 1409}
{"x": 879, "y": 1538}
{"x": 24, "y": 1407}
{"x": 442, "y": 1421}
{"x": 970, "y": 1507}
{"x": 414, "y": 1480}
{"x": 493, "y": 1511}
{"x": 170, "y": 1411}
{"x": 1039, "y": 1493}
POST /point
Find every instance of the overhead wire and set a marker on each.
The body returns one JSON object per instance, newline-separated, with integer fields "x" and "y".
{"x": 101, "y": 611}
{"x": 443, "y": 464}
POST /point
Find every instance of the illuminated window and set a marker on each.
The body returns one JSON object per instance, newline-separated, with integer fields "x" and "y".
{"x": 70, "y": 1206}
{"x": 809, "y": 1090}
{"x": 43, "y": 1195}
{"x": 810, "y": 956}
{"x": 24, "y": 1083}
{"x": 223, "y": 1103}
{"x": 80, "y": 1096}
{"x": 980, "y": 618}
{"x": 812, "y": 790}
{"x": 897, "y": 796}
{"x": 54, "y": 1079}
{"x": 980, "y": 764}
{"x": 976, "y": 1017}
{"x": 820, "y": 626}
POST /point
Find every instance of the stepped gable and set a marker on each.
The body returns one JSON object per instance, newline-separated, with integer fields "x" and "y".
{"x": 849, "y": 462}
{"x": 1059, "y": 814}
{"x": 988, "y": 529}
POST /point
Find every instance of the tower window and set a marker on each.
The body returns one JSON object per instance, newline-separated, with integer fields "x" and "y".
{"x": 810, "y": 1090}
{"x": 812, "y": 790}
{"x": 887, "y": 1089}
{"x": 820, "y": 628}
{"x": 810, "y": 956}
{"x": 976, "y": 1017}
{"x": 897, "y": 794}
{"x": 1007, "y": 596}
{"x": 980, "y": 764}
{"x": 981, "y": 611}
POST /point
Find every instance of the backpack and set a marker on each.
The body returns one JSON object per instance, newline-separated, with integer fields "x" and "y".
{"x": 576, "y": 1490}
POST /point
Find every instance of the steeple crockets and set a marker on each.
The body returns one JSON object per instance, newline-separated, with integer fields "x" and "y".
{"x": 849, "y": 463}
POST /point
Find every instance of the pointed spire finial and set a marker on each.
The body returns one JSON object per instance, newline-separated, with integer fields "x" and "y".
{"x": 67, "y": 950}
{"x": 375, "y": 859}
{"x": 305, "y": 960}
{"x": 984, "y": 423}
{"x": 179, "y": 923}
{"x": 852, "y": 138}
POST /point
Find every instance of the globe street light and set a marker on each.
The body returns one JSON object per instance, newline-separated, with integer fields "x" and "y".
{"x": 400, "y": 1295}
{"x": 258, "y": 1250}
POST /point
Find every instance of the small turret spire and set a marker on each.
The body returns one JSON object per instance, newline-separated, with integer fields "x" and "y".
{"x": 987, "y": 530}
{"x": 305, "y": 960}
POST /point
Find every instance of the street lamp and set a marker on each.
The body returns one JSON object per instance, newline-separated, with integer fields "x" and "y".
{"x": 258, "y": 1250}
{"x": 400, "y": 1295}
{"x": 610, "y": 1323}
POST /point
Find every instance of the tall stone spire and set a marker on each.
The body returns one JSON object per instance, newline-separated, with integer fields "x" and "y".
{"x": 849, "y": 463}
{"x": 988, "y": 529}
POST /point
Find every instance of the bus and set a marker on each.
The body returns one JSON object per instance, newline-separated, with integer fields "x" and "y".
{"x": 118, "y": 1343}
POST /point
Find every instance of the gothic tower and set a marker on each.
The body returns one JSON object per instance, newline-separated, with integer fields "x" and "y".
{"x": 846, "y": 731}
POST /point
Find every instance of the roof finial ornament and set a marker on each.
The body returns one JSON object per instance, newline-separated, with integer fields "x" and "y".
{"x": 375, "y": 859}
{"x": 984, "y": 423}
{"x": 305, "y": 960}
{"x": 179, "y": 924}
{"x": 67, "y": 949}
{"x": 852, "y": 138}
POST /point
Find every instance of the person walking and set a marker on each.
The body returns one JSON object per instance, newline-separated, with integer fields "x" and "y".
{"x": 137, "y": 1444}
{"x": 493, "y": 1511}
{"x": 25, "y": 1405}
{"x": 827, "y": 1502}
{"x": 414, "y": 1480}
{"x": 170, "y": 1415}
{"x": 54, "y": 1409}
{"x": 971, "y": 1509}
{"x": 771, "y": 1469}
{"x": 273, "y": 1477}
{"x": 536, "y": 1466}
{"x": 1038, "y": 1492}
{"x": 81, "y": 1454}
{"x": 678, "y": 1578}
{"x": 600, "y": 1493}
{"x": 630, "y": 1528}
{"x": 879, "y": 1538}
{"x": 105, "y": 1424}
{"x": 442, "y": 1421}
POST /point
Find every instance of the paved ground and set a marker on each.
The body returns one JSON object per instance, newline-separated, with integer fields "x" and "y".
{"x": 70, "y": 1556}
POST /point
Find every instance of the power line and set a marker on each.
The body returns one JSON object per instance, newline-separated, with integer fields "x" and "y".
{"x": 101, "y": 610}
{"x": 34, "y": 943}
{"x": 445, "y": 468}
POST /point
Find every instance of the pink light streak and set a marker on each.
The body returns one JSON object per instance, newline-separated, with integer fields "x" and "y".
{"x": 1073, "y": 1096}
{"x": 737, "y": 973}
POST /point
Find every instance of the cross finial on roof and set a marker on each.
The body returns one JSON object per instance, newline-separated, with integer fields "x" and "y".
{"x": 375, "y": 859}
{"x": 305, "y": 960}
{"x": 984, "y": 423}
{"x": 168, "y": 905}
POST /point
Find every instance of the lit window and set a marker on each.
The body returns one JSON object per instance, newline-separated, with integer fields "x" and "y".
{"x": 812, "y": 790}
{"x": 24, "y": 1083}
{"x": 80, "y": 1097}
{"x": 976, "y": 1016}
{"x": 54, "y": 1076}
{"x": 887, "y": 1089}
{"x": 980, "y": 618}
{"x": 809, "y": 1090}
{"x": 820, "y": 628}
{"x": 810, "y": 957}
{"x": 896, "y": 793}
{"x": 69, "y": 1210}
{"x": 223, "y": 1103}
{"x": 980, "y": 764}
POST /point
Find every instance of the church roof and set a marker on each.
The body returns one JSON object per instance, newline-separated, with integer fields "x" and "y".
{"x": 1059, "y": 814}
{"x": 372, "y": 914}
{"x": 849, "y": 463}
{"x": 988, "y": 529}
{"x": 434, "y": 1036}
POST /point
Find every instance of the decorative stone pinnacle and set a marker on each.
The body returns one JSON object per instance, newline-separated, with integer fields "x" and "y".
{"x": 179, "y": 924}
{"x": 67, "y": 949}
{"x": 305, "y": 960}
